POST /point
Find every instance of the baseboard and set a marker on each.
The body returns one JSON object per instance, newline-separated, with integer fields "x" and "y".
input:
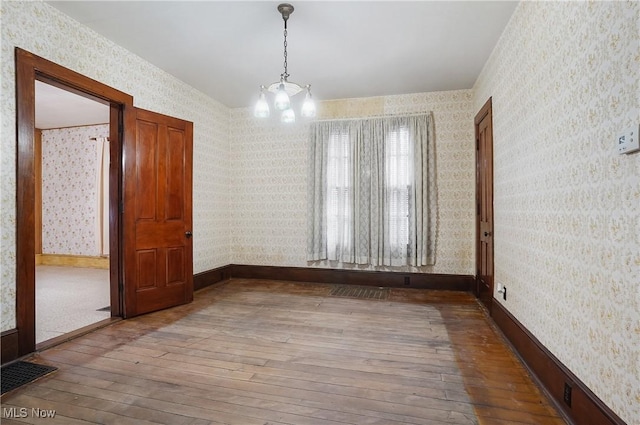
{"x": 72, "y": 261}
{"x": 9, "y": 344}
{"x": 321, "y": 275}
{"x": 586, "y": 408}
{"x": 211, "y": 277}
{"x": 355, "y": 277}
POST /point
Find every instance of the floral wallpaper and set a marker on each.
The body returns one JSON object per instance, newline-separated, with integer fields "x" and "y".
{"x": 565, "y": 79}
{"x": 268, "y": 207}
{"x": 45, "y": 31}
{"x": 69, "y": 205}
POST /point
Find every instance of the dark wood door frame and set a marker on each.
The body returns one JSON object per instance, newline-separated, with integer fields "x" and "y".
{"x": 30, "y": 68}
{"x": 483, "y": 123}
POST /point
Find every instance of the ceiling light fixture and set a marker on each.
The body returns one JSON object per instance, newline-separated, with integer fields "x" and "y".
{"x": 284, "y": 89}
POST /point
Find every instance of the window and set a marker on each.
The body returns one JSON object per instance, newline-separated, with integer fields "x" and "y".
{"x": 398, "y": 186}
{"x": 339, "y": 211}
{"x": 372, "y": 191}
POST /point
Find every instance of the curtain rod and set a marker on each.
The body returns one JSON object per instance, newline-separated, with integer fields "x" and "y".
{"x": 416, "y": 114}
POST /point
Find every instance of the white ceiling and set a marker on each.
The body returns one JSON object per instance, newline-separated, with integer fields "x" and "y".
{"x": 344, "y": 49}
{"x": 57, "y": 108}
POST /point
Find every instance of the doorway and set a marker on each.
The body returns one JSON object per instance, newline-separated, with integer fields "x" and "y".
{"x": 29, "y": 69}
{"x": 72, "y": 156}
{"x": 150, "y": 211}
{"x": 484, "y": 200}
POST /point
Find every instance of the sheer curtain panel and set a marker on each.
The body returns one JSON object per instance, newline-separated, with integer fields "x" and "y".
{"x": 372, "y": 191}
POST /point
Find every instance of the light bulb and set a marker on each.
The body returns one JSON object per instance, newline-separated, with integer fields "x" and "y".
{"x": 262, "y": 107}
{"x": 309, "y": 106}
{"x": 288, "y": 116}
{"x": 282, "y": 99}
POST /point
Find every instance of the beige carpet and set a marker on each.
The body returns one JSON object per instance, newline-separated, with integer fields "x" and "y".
{"x": 68, "y": 298}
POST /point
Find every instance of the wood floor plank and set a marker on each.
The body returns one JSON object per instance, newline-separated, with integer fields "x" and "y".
{"x": 316, "y": 397}
{"x": 21, "y": 416}
{"x": 257, "y": 352}
{"x": 89, "y": 414}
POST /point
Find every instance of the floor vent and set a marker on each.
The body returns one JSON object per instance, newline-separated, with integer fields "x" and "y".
{"x": 17, "y": 374}
{"x": 362, "y": 292}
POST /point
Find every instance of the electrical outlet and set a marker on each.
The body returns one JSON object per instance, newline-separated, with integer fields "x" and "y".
{"x": 406, "y": 281}
{"x": 628, "y": 140}
{"x": 567, "y": 394}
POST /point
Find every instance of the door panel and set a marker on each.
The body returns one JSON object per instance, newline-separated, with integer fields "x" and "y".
{"x": 484, "y": 190}
{"x": 147, "y": 266}
{"x": 175, "y": 266}
{"x": 158, "y": 212}
{"x": 146, "y": 155}
{"x": 175, "y": 176}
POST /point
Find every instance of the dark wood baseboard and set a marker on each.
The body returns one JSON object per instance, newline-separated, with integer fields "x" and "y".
{"x": 210, "y": 277}
{"x": 9, "y": 343}
{"x": 586, "y": 408}
{"x": 355, "y": 277}
{"x": 321, "y": 275}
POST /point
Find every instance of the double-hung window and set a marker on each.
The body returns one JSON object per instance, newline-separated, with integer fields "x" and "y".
{"x": 339, "y": 194}
{"x": 398, "y": 185}
{"x": 372, "y": 191}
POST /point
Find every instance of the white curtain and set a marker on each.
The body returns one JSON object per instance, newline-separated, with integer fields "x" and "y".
{"x": 102, "y": 195}
{"x": 372, "y": 191}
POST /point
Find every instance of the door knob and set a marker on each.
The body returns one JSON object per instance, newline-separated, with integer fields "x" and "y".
{"x": 487, "y": 234}
{"x": 188, "y": 234}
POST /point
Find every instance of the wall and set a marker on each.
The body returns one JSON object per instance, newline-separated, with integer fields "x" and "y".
{"x": 44, "y": 31}
{"x": 69, "y": 205}
{"x": 564, "y": 80}
{"x": 269, "y": 183}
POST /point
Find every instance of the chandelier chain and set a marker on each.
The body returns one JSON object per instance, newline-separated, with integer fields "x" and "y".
{"x": 285, "y": 75}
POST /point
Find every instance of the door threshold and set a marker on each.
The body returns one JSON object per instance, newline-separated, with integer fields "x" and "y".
{"x": 44, "y": 345}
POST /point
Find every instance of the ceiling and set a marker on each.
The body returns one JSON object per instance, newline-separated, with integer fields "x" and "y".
{"x": 57, "y": 108}
{"x": 344, "y": 49}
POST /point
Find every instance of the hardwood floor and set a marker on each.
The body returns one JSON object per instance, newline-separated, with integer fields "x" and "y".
{"x": 267, "y": 352}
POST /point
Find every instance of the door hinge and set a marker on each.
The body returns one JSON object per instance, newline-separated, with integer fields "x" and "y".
{"x": 477, "y": 144}
{"x": 120, "y": 129}
{"x": 122, "y": 207}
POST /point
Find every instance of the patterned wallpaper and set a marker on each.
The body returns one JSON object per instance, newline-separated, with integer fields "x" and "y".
{"x": 69, "y": 205}
{"x": 565, "y": 78}
{"x": 268, "y": 209}
{"x": 44, "y": 31}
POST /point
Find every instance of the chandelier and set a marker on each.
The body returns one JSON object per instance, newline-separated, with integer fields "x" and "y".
{"x": 284, "y": 89}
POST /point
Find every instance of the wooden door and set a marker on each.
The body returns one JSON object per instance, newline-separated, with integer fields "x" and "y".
{"x": 484, "y": 195}
{"x": 158, "y": 214}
